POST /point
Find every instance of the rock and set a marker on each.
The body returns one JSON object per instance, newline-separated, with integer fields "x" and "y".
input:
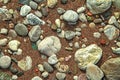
{"x": 69, "y": 35}
{"x": 83, "y": 25}
{"x": 19, "y": 52}
{"x": 3, "y": 31}
{"x": 12, "y": 33}
{"x": 115, "y": 50}
{"x": 38, "y": 1}
{"x": 47, "y": 67}
{"x": 40, "y": 67}
{"x": 60, "y": 76}
{"x": 52, "y": 59}
{"x": 117, "y": 25}
{"x": 96, "y": 34}
{"x": 112, "y": 20}
{"x": 3, "y": 42}
{"x": 50, "y": 45}
{"x": 75, "y": 78}
{"x": 20, "y": 73}
{"x": 4, "y": 76}
{"x": 5, "y": 62}
{"x": 21, "y": 29}
{"x": 13, "y": 45}
{"x": 36, "y": 78}
{"x": 81, "y": 10}
{"x": 111, "y": 32}
{"x": 92, "y": 25}
{"x": 117, "y": 15}
{"x": 64, "y": 1}
{"x": 62, "y": 34}
{"x": 58, "y": 23}
{"x": 45, "y": 74}
{"x": 60, "y": 10}
{"x": 26, "y": 63}
{"x": 97, "y": 7}
{"x": 34, "y": 20}
{"x": 24, "y": 1}
{"x": 25, "y": 9}
{"x": 33, "y": 5}
{"x": 82, "y": 17}
{"x": 13, "y": 70}
{"x": 67, "y": 17}
{"x": 44, "y": 11}
{"x": 118, "y": 44}
{"x": 76, "y": 45}
{"x": 93, "y": 72}
{"x": 35, "y": 33}
{"x": 14, "y": 77}
{"x": 51, "y": 3}
{"x": 97, "y": 21}
{"x": 5, "y": 1}
{"x": 111, "y": 68}
{"x": 116, "y": 3}
{"x": 38, "y": 14}
{"x": 90, "y": 54}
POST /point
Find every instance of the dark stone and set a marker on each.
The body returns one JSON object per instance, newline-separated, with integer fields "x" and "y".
{"x": 64, "y": 1}
{"x": 48, "y": 67}
{"x": 24, "y": 1}
{"x": 44, "y": 11}
{"x": 20, "y": 73}
{"x": 13, "y": 70}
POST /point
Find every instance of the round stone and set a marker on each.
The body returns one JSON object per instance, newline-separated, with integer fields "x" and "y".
{"x": 69, "y": 35}
{"x": 45, "y": 74}
{"x": 60, "y": 76}
{"x": 36, "y": 78}
{"x": 13, "y": 45}
{"x": 47, "y": 67}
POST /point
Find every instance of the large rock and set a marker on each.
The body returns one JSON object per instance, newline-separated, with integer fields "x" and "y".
{"x": 111, "y": 32}
{"x": 98, "y": 6}
{"x": 111, "y": 68}
{"x": 90, "y": 54}
{"x": 49, "y": 45}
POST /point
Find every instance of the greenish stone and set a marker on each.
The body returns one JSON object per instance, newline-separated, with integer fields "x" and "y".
{"x": 90, "y": 19}
{"x": 34, "y": 46}
{"x": 4, "y": 76}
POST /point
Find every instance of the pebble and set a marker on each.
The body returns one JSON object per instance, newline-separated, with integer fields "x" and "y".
{"x": 3, "y": 42}
{"x": 52, "y": 3}
{"x": 81, "y": 10}
{"x": 117, "y": 15}
{"x": 96, "y": 34}
{"x": 5, "y": 62}
{"x": 78, "y": 29}
{"x": 116, "y": 3}
{"x": 60, "y": 10}
{"x": 40, "y": 67}
{"x": 112, "y": 20}
{"x": 5, "y": 1}
{"x": 76, "y": 45}
{"x": 78, "y": 33}
{"x": 97, "y": 21}
{"x": 118, "y": 44}
{"x": 33, "y": 5}
{"x": 14, "y": 77}
{"x": 64, "y": 1}
{"x": 34, "y": 20}
{"x": 13, "y": 45}
{"x": 35, "y": 33}
{"x": 19, "y": 52}
{"x": 38, "y": 14}
{"x": 115, "y": 50}
{"x": 45, "y": 74}
{"x": 21, "y": 29}
{"x": 52, "y": 59}
{"x": 44, "y": 11}
{"x": 38, "y": 1}
{"x": 3, "y": 31}
{"x": 58, "y": 23}
{"x": 83, "y": 25}
{"x": 36, "y": 78}
{"x": 69, "y": 35}
{"x": 47, "y": 67}
{"x": 12, "y": 33}
{"x": 71, "y": 44}
{"x": 20, "y": 73}
{"x": 25, "y": 9}
{"x": 13, "y": 70}
{"x": 24, "y": 1}
{"x": 92, "y": 25}
{"x": 75, "y": 77}
{"x": 82, "y": 17}
{"x": 60, "y": 76}
{"x": 11, "y": 11}
{"x": 61, "y": 34}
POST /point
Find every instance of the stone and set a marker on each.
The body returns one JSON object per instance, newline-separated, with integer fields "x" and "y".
{"x": 116, "y": 3}
{"x": 92, "y": 25}
{"x": 38, "y": 1}
{"x": 34, "y": 20}
{"x": 45, "y": 74}
{"x": 97, "y": 21}
{"x": 111, "y": 32}
{"x": 35, "y": 33}
{"x": 90, "y": 54}
{"x": 97, "y": 7}
{"x": 58, "y": 23}
{"x": 36, "y": 78}
{"x": 14, "y": 77}
{"x": 50, "y": 45}
{"x": 3, "y": 42}
{"x": 117, "y": 15}
{"x": 25, "y": 9}
{"x": 93, "y": 72}
{"x": 96, "y": 34}
{"x": 111, "y": 69}
{"x": 60, "y": 10}
{"x": 75, "y": 78}
{"x": 83, "y": 25}
{"x": 5, "y": 62}
{"x": 112, "y": 20}
{"x": 44, "y": 11}
{"x": 81, "y": 10}
{"x": 47, "y": 67}
{"x": 64, "y": 1}
{"x": 12, "y": 33}
{"x": 40, "y": 67}
{"x": 78, "y": 33}
{"x": 5, "y": 1}
{"x": 70, "y": 16}
{"x": 82, "y": 17}
{"x": 4, "y": 76}
{"x": 62, "y": 34}
{"x": 21, "y": 29}
{"x": 3, "y": 31}
{"x": 20, "y": 73}
{"x": 13, "y": 70}
{"x": 60, "y": 76}
{"x": 24, "y": 1}
{"x": 76, "y": 45}
{"x": 69, "y": 35}
{"x": 19, "y": 52}
{"x": 52, "y": 59}
{"x": 118, "y": 44}
{"x": 115, "y": 50}
{"x": 33, "y": 5}
{"x": 82, "y": 77}
{"x": 38, "y": 14}
{"x": 13, "y": 45}
{"x": 25, "y": 63}
{"x": 52, "y": 3}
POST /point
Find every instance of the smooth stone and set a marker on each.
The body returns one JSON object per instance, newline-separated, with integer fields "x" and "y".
{"x": 117, "y": 24}
{"x": 36, "y": 78}
{"x": 82, "y": 17}
{"x": 3, "y": 42}
{"x": 97, "y": 21}
{"x": 25, "y": 9}
{"x": 5, "y": 62}
{"x": 38, "y": 1}
{"x": 49, "y": 45}
{"x": 60, "y": 10}
{"x": 25, "y": 63}
{"x": 58, "y": 23}
{"x": 90, "y": 54}
{"x": 38, "y": 14}
{"x": 67, "y": 17}
{"x": 47, "y": 67}
{"x": 60, "y": 76}
{"x": 34, "y": 20}
{"x": 62, "y": 34}
{"x": 40, "y": 67}
{"x": 111, "y": 69}
{"x": 76, "y": 45}
{"x": 45, "y": 74}
{"x": 92, "y": 25}
{"x": 93, "y": 72}
{"x": 12, "y": 33}
{"x": 52, "y": 3}
{"x": 52, "y": 59}
{"x": 97, "y": 7}
{"x": 116, "y": 3}
{"x": 83, "y": 25}
{"x": 78, "y": 33}
{"x": 111, "y": 32}
{"x": 117, "y": 15}
{"x": 116, "y": 50}
{"x": 14, "y": 77}
{"x": 3, "y": 31}
{"x": 13, "y": 45}
{"x": 96, "y": 35}
{"x": 13, "y": 70}
{"x": 21, "y": 29}
{"x": 44, "y": 11}
{"x": 112, "y": 20}
{"x": 81, "y": 10}
{"x": 35, "y": 33}
{"x": 118, "y": 44}
{"x": 75, "y": 77}
{"x": 33, "y": 5}
{"x": 19, "y": 52}
{"x": 24, "y": 1}
{"x": 69, "y": 35}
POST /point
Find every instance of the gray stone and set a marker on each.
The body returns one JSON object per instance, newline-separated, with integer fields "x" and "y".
{"x": 60, "y": 76}
{"x": 111, "y": 68}
{"x": 24, "y": 1}
{"x": 25, "y": 9}
{"x": 76, "y": 45}
{"x": 50, "y": 45}
{"x": 5, "y": 62}
{"x": 82, "y": 17}
{"x": 3, "y": 31}
{"x": 69, "y": 35}
{"x": 38, "y": 13}
{"x": 96, "y": 35}
{"x": 70, "y": 16}
{"x": 34, "y": 20}
{"x": 100, "y": 6}
{"x": 33, "y": 5}
{"x": 13, "y": 70}
{"x": 3, "y": 42}
{"x": 60, "y": 10}
{"x": 44, "y": 11}
{"x": 97, "y": 21}
{"x": 13, "y": 45}
{"x": 52, "y": 59}
{"x": 36, "y": 78}
{"x": 90, "y": 54}
{"x": 21, "y": 29}
{"x": 45, "y": 74}
{"x": 81, "y": 10}
{"x": 35, "y": 33}
{"x": 48, "y": 67}
{"x": 111, "y": 32}
{"x": 93, "y": 72}
{"x": 64, "y": 1}
{"x": 116, "y": 3}
{"x": 112, "y": 20}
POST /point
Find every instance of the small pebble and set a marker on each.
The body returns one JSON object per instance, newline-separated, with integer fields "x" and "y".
{"x": 45, "y": 74}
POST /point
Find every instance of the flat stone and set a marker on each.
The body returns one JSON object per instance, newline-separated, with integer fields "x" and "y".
{"x": 25, "y": 9}
{"x": 48, "y": 67}
{"x": 60, "y": 76}
{"x": 51, "y": 3}
{"x": 13, "y": 45}
{"x": 90, "y": 54}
